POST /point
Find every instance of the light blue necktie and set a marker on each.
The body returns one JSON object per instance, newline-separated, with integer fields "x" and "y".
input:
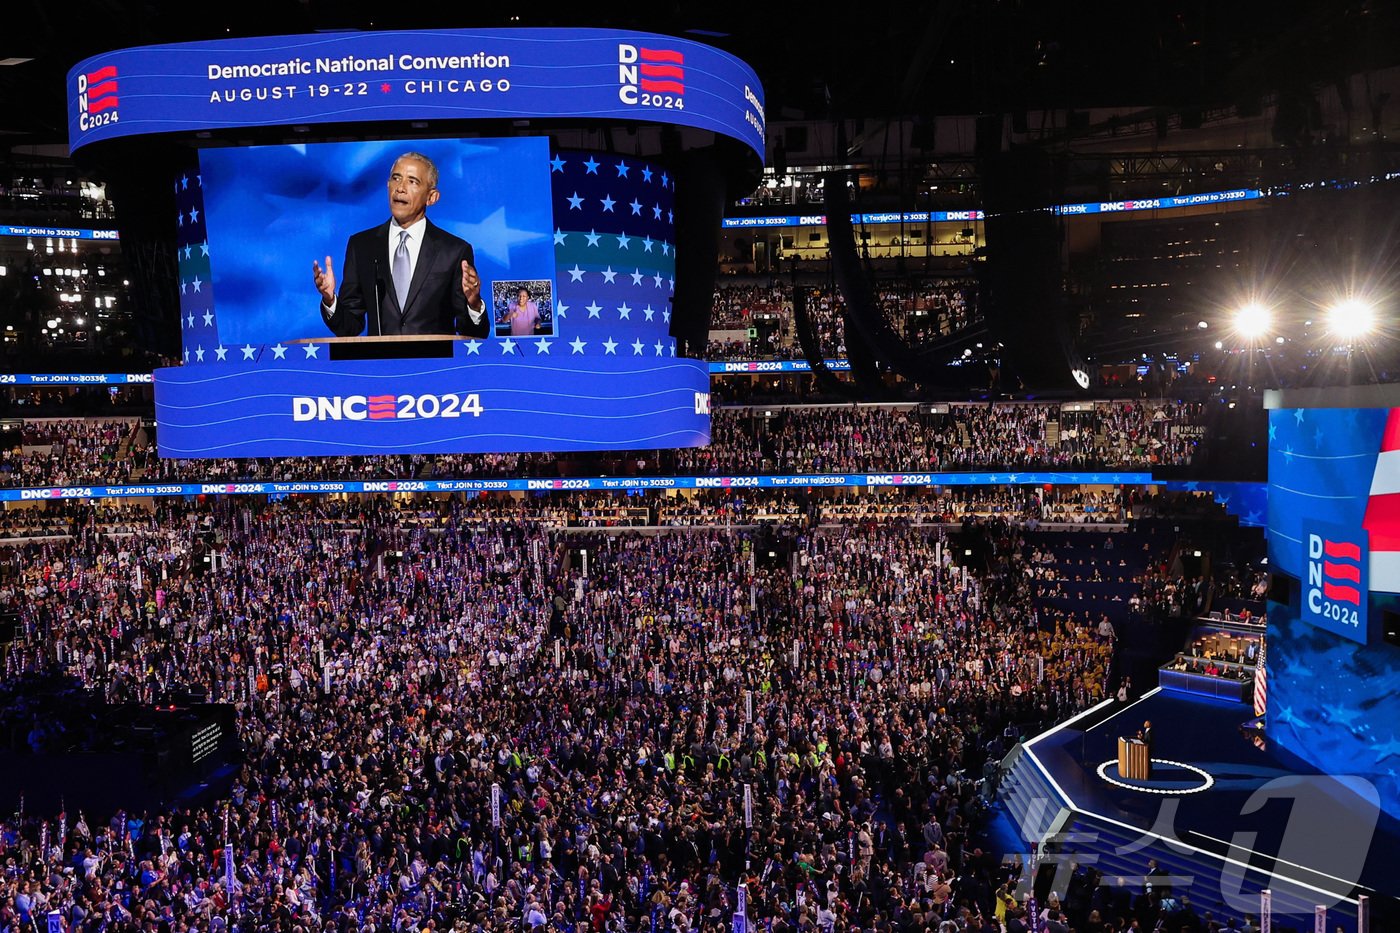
{"x": 403, "y": 269}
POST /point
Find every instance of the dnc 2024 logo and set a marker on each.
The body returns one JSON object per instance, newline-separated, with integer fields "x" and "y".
{"x": 1336, "y": 586}
{"x": 651, "y": 77}
{"x": 97, "y": 98}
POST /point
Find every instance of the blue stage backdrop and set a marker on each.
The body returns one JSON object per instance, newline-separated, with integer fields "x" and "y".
{"x": 1333, "y": 680}
{"x": 271, "y": 210}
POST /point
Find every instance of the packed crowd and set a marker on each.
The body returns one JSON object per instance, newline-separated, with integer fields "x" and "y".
{"x": 802, "y": 439}
{"x": 918, "y": 309}
{"x": 853, "y": 693}
{"x": 66, "y": 451}
{"x": 1008, "y": 436}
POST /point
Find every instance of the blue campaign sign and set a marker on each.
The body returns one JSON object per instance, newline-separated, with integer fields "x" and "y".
{"x": 475, "y": 404}
{"x": 414, "y": 75}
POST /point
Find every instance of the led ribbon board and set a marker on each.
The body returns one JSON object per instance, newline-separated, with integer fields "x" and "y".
{"x": 427, "y": 74}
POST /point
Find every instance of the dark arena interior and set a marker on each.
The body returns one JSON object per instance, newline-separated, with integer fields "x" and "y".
{"x": 929, "y": 469}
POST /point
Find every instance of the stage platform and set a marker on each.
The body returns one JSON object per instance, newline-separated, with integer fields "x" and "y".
{"x": 1224, "y": 817}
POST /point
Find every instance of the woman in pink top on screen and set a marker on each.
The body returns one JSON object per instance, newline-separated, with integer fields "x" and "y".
{"x": 522, "y": 314}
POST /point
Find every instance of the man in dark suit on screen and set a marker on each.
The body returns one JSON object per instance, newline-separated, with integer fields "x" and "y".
{"x": 406, "y": 276}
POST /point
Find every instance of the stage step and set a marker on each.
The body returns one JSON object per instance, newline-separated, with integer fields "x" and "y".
{"x": 1213, "y": 884}
{"x": 1029, "y": 798}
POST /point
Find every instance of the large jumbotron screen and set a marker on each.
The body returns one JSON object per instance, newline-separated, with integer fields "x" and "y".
{"x": 574, "y": 261}
{"x": 571, "y": 252}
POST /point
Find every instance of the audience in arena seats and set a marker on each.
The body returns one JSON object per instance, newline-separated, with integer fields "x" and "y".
{"x": 1122, "y": 435}
{"x": 918, "y": 309}
{"x": 882, "y": 679}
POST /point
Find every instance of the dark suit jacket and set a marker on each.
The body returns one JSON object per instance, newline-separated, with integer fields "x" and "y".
{"x": 435, "y": 302}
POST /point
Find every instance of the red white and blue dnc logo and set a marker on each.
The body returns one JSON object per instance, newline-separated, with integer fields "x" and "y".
{"x": 97, "y": 98}
{"x": 651, "y": 77}
{"x": 1335, "y": 591}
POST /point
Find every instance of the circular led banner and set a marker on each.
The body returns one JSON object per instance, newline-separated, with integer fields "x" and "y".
{"x": 437, "y": 74}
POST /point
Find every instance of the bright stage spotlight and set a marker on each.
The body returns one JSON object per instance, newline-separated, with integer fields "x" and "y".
{"x": 1351, "y": 318}
{"x": 1253, "y": 321}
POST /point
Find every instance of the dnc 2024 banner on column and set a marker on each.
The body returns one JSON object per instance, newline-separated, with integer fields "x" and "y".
{"x": 573, "y": 254}
{"x": 426, "y": 74}
{"x": 1334, "y": 526}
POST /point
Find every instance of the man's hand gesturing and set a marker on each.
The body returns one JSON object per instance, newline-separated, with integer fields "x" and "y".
{"x": 325, "y": 281}
{"x": 471, "y": 283}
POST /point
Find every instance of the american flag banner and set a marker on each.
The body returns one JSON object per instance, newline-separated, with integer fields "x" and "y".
{"x": 1382, "y": 521}
{"x": 614, "y": 249}
{"x": 1261, "y": 689}
{"x": 199, "y": 326}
